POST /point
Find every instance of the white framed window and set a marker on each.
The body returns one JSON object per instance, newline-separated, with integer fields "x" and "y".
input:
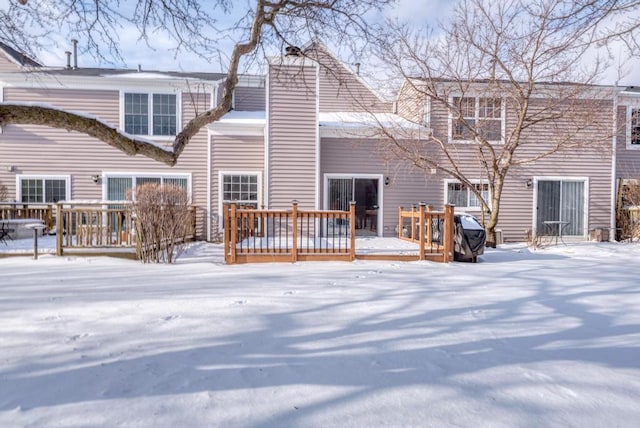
{"x": 459, "y": 194}
{"x": 116, "y": 186}
{"x": 39, "y": 189}
{"x": 484, "y": 115}
{"x": 243, "y": 188}
{"x": 150, "y": 114}
{"x": 633, "y": 128}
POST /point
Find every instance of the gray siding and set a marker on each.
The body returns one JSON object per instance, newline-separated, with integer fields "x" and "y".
{"x": 292, "y": 136}
{"x": 407, "y": 186}
{"x": 593, "y": 163}
{"x": 39, "y": 150}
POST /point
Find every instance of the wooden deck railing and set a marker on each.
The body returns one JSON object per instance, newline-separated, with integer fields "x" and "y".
{"x": 105, "y": 226}
{"x": 17, "y": 210}
{"x": 252, "y": 235}
{"x": 431, "y": 230}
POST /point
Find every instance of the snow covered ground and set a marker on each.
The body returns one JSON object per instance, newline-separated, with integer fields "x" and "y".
{"x": 547, "y": 338}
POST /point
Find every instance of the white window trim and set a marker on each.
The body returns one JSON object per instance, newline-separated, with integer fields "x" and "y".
{"x": 466, "y": 208}
{"x": 66, "y": 178}
{"x": 133, "y": 175}
{"x": 380, "y": 177}
{"x": 150, "y": 94}
{"x": 585, "y": 180}
{"x": 628, "y": 129}
{"x": 426, "y": 117}
{"x": 221, "y": 174}
{"x": 503, "y": 120}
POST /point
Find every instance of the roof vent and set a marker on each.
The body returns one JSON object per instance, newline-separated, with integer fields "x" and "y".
{"x": 292, "y": 51}
{"x": 68, "y": 54}
{"x": 75, "y": 53}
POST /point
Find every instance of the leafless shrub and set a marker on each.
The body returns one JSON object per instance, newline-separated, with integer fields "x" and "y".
{"x": 4, "y": 192}
{"x": 163, "y": 221}
{"x": 629, "y": 211}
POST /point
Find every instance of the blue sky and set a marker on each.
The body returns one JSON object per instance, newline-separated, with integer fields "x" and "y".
{"x": 161, "y": 56}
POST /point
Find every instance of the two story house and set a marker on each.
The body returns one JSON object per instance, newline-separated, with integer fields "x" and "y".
{"x": 309, "y": 130}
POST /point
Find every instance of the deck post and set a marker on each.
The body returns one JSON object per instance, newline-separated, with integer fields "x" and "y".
{"x": 225, "y": 231}
{"x": 400, "y": 222}
{"x": 352, "y": 230}
{"x": 233, "y": 225}
{"x": 294, "y": 234}
{"x": 448, "y": 234}
{"x": 429, "y": 229}
{"x": 413, "y": 222}
{"x": 59, "y": 231}
{"x": 422, "y": 230}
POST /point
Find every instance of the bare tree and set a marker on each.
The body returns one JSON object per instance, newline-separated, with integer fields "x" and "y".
{"x": 497, "y": 74}
{"x": 4, "y": 193}
{"x": 263, "y": 25}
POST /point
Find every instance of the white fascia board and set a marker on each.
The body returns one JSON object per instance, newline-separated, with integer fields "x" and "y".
{"x": 298, "y": 61}
{"x": 35, "y": 80}
{"x": 252, "y": 130}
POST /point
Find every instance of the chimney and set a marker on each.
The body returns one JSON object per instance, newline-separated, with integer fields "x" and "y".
{"x": 68, "y": 54}
{"x": 75, "y": 53}
{"x": 292, "y": 51}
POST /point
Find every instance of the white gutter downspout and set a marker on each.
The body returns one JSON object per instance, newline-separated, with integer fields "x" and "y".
{"x": 212, "y": 103}
{"x": 317, "y": 125}
{"x": 267, "y": 135}
{"x": 614, "y": 157}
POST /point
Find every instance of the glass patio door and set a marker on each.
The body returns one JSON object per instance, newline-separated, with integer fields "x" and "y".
{"x": 341, "y": 191}
{"x": 560, "y": 204}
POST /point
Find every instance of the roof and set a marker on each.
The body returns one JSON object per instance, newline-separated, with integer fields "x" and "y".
{"x": 113, "y": 72}
{"x": 18, "y": 57}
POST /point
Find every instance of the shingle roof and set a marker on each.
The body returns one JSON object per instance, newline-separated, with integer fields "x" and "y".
{"x": 98, "y": 72}
{"x": 18, "y": 56}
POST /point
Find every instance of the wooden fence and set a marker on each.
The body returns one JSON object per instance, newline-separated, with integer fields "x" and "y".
{"x": 431, "y": 230}
{"x": 15, "y": 210}
{"x": 105, "y": 227}
{"x": 252, "y": 235}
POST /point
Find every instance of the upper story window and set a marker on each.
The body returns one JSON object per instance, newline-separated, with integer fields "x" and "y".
{"x": 483, "y": 115}
{"x": 634, "y": 128}
{"x": 459, "y": 195}
{"x": 150, "y": 114}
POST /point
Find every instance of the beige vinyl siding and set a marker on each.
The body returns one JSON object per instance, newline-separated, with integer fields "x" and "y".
{"x": 627, "y": 160}
{"x": 341, "y": 89}
{"x": 40, "y": 150}
{"x": 249, "y": 98}
{"x": 6, "y": 64}
{"x": 292, "y": 137}
{"x": 593, "y": 163}
{"x": 411, "y": 102}
{"x": 407, "y": 186}
{"x": 228, "y": 154}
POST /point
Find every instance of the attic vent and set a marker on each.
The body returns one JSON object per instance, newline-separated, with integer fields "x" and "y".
{"x": 292, "y": 51}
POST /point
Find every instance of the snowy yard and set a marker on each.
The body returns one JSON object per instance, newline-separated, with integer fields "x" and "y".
{"x": 549, "y": 338}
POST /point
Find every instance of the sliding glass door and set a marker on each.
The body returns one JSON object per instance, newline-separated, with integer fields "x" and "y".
{"x": 560, "y": 207}
{"x": 365, "y": 191}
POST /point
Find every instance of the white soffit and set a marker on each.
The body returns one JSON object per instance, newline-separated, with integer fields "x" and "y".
{"x": 242, "y": 123}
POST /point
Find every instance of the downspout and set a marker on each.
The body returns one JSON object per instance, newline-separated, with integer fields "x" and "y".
{"x": 212, "y": 103}
{"x": 614, "y": 157}
{"x": 317, "y": 124}
{"x": 267, "y": 136}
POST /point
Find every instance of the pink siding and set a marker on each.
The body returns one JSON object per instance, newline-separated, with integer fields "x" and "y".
{"x": 249, "y": 98}
{"x": 340, "y": 88}
{"x": 6, "y": 64}
{"x": 42, "y": 150}
{"x": 292, "y": 136}
{"x": 228, "y": 153}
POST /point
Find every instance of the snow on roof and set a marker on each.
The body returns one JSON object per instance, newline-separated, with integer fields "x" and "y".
{"x": 244, "y": 118}
{"x": 364, "y": 120}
